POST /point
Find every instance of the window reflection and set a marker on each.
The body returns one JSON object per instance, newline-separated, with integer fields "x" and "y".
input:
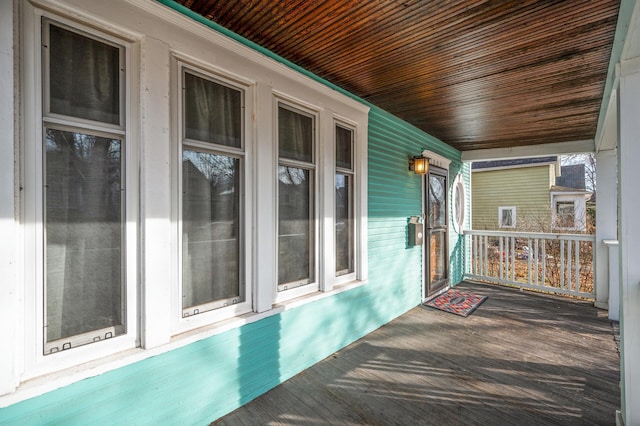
{"x": 295, "y": 226}
{"x": 437, "y": 201}
{"x": 210, "y": 228}
{"x": 84, "y": 233}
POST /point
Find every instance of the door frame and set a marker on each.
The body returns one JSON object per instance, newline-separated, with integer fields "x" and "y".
{"x": 429, "y": 289}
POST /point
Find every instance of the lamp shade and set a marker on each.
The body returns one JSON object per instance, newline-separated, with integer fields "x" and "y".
{"x": 419, "y": 165}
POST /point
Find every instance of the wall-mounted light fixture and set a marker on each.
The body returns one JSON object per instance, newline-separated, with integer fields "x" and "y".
{"x": 419, "y": 165}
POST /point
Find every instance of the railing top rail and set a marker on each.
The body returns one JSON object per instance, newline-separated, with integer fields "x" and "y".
{"x": 541, "y": 235}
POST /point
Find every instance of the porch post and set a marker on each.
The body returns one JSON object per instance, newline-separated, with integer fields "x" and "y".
{"x": 9, "y": 287}
{"x": 629, "y": 237}
{"x": 606, "y": 218}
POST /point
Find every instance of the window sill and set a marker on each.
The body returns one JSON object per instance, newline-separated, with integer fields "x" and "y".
{"x": 50, "y": 382}
{"x": 318, "y": 295}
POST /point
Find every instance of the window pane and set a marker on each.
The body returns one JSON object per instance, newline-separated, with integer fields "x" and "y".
{"x": 437, "y": 201}
{"x": 458, "y": 200}
{"x": 84, "y": 77}
{"x": 84, "y": 234}
{"x": 507, "y": 217}
{"x": 344, "y": 147}
{"x": 210, "y": 229}
{"x": 295, "y": 227}
{"x": 344, "y": 224}
{"x": 295, "y": 135}
{"x": 437, "y": 257}
{"x": 213, "y": 112}
{"x": 565, "y": 214}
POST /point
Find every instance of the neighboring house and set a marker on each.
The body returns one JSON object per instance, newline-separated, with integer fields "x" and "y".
{"x": 512, "y": 194}
{"x": 528, "y": 194}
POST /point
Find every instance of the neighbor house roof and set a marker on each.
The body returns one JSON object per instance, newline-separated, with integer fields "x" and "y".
{"x": 556, "y": 188}
{"x": 515, "y": 162}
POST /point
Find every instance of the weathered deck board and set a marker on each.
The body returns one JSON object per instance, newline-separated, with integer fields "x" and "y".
{"x": 521, "y": 358}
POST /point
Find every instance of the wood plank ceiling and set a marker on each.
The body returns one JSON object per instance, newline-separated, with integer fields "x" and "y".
{"x": 474, "y": 73}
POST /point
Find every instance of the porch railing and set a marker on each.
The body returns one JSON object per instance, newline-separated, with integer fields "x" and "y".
{"x": 552, "y": 263}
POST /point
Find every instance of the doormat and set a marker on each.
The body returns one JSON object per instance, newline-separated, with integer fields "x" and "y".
{"x": 457, "y": 302}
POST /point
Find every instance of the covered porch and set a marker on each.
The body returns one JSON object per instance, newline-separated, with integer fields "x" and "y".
{"x": 475, "y": 81}
{"x": 521, "y": 358}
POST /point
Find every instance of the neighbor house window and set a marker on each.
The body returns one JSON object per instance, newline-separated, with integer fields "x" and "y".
{"x": 344, "y": 201}
{"x": 83, "y": 157}
{"x": 296, "y": 201}
{"x": 507, "y": 217}
{"x": 565, "y": 214}
{"x": 212, "y": 166}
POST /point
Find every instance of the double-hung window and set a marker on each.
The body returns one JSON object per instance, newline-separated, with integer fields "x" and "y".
{"x": 211, "y": 193}
{"x": 83, "y": 150}
{"x": 296, "y": 197}
{"x": 344, "y": 201}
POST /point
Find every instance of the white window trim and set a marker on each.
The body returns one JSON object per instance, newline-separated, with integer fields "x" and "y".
{"x": 179, "y": 64}
{"x": 35, "y": 363}
{"x": 436, "y": 159}
{"x": 557, "y": 216}
{"x": 333, "y": 279}
{"x": 318, "y": 139}
{"x": 459, "y": 188}
{"x": 513, "y": 216}
{"x": 579, "y": 210}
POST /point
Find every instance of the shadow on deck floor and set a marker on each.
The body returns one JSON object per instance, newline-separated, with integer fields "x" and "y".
{"x": 519, "y": 359}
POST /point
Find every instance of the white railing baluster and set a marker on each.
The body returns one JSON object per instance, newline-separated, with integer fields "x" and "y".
{"x": 513, "y": 259}
{"x": 500, "y": 260}
{"x": 561, "y": 260}
{"x": 529, "y": 260}
{"x": 544, "y": 262}
{"x": 569, "y": 245}
{"x": 474, "y": 255}
{"x": 537, "y": 260}
{"x": 486, "y": 262}
{"x": 562, "y": 264}
{"x": 577, "y": 266}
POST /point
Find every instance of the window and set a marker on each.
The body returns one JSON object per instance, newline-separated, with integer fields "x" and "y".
{"x": 296, "y": 201}
{"x": 459, "y": 204}
{"x": 344, "y": 201}
{"x": 212, "y": 164}
{"x": 83, "y": 159}
{"x": 507, "y": 217}
{"x": 565, "y": 214}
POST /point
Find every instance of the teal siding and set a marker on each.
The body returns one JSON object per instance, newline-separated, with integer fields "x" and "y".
{"x": 202, "y": 381}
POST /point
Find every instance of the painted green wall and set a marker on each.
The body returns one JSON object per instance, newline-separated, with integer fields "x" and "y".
{"x": 200, "y": 382}
{"x": 527, "y": 188}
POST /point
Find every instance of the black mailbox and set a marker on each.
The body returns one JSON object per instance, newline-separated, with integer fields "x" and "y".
{"x": 416, "y": 231}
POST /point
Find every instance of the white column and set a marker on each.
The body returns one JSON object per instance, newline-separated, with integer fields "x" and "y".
{"x": 9, "y": 286}
{"x": 157, "y": 230}
{"x": 606, "y": 218}
{"x": 264, "y": 254}
{"x": 326, "y": 170}
{"x": 629, "y": 237}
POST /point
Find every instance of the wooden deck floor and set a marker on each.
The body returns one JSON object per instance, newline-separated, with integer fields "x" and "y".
{"x": 520, "y": 359}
